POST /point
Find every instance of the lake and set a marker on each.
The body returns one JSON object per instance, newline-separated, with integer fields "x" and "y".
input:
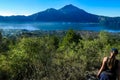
{"x": 57, "y": 26}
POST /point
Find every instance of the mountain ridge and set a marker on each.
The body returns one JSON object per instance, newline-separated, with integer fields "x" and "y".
{"x": 68, "y": 13}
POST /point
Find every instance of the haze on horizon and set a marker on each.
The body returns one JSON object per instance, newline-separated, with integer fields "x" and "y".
{"x": 27, "y": 7}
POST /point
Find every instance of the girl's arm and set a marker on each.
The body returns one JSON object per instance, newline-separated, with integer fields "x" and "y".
{"x": 102, "y": 67}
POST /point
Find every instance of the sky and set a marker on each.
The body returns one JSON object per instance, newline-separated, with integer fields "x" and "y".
{"x": 27, "y": 7}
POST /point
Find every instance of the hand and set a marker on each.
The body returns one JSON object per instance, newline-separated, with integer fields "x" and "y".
{"x": 98, "y": 76}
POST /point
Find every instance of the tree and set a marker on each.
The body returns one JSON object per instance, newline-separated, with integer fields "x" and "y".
{"x": 70, "y": 37}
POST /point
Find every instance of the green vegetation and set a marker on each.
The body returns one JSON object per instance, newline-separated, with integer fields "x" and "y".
{"x": 70, "y": 57}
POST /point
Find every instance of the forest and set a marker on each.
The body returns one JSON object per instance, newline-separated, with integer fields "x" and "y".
{"x": 52, "y": 57}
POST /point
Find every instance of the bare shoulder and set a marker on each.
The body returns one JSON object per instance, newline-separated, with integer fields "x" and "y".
{"x": 105, "y": 59}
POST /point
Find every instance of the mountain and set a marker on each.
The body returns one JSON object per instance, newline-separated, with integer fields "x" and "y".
{"x": 68, "y": 13}
{"x": 19, "y": 18}
{"x": 75, "y": 14}
{"x": 47, "y": 15}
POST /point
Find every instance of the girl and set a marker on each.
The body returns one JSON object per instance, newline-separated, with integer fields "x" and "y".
{"x": 110, "y": 67}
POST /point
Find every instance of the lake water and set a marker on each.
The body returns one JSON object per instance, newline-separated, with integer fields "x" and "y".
{"x": 57, "y": 26}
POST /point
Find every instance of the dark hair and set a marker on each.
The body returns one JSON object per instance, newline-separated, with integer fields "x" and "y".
{"x": 114, "y": 50}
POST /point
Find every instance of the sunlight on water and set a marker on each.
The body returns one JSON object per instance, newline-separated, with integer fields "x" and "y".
{"x": 56, "y": 26}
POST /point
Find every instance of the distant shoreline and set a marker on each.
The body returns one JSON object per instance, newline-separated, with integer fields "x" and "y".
{"x": 18, "y": 32}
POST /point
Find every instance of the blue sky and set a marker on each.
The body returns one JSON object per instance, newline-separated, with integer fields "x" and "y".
{"x": 27, "y": 7}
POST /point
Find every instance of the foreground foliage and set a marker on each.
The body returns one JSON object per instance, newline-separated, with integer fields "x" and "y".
{"x": 70, "y": 57}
